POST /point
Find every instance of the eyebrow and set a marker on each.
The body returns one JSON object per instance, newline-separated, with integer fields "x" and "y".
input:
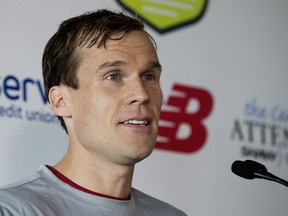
{"x": 111, "y": 64}
{"x": 155, "y": 64}
{"x": 151, "y": 64}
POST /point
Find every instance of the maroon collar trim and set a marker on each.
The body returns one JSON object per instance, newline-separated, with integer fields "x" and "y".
{"x": 73, "y": 184}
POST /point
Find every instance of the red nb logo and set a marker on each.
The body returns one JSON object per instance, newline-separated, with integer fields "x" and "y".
{"x": 181, "y": 120}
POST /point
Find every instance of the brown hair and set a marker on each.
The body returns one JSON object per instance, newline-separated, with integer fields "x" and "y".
{"x": 60, "y": 60}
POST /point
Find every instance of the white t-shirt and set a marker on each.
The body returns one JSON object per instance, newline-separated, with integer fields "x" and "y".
{"x": 45, "y": 194}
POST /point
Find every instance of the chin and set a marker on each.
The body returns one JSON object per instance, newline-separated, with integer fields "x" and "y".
{"x": 138, "y": 156}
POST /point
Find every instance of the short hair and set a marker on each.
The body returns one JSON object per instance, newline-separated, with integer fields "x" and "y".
{"x": 61, "y": 60}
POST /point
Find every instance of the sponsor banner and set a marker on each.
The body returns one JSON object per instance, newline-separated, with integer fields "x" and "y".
{"x": 261, "y": 132}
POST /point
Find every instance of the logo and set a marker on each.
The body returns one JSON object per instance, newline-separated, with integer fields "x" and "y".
{"x": 19, "y": 90}
{"x": 181, "y": 120}
{"x": 166, "y": 15}
{"x": 19, "y": 94}
{"x": 262, "y": 133}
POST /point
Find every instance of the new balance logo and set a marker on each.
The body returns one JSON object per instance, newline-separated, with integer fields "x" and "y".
{"x": 181, "y": 126}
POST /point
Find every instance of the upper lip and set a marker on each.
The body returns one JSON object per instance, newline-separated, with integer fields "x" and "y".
{"x": 138, "y": 118}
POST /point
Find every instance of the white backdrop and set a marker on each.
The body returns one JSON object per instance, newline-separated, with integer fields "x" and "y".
{"x": 237, "y": 52}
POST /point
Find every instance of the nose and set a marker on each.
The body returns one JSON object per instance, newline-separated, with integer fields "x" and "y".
{"x": 137, "y": 92}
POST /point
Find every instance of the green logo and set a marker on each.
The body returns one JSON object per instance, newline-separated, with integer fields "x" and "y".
{"x": 166, "y": 15}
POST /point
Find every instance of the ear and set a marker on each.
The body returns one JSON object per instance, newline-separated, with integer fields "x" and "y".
{"x": 58, "y": 99}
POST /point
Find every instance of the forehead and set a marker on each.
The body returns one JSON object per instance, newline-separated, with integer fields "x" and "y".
{"x": 133, "y": 44}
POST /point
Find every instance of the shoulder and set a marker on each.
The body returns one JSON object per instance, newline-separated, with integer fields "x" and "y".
{"x": 18, "y": 196}
{"x": 155, "y": 205}
{"x": 15, "y": 191}
{"x": 17, "y": 188}
{"x": 33, "y": 185}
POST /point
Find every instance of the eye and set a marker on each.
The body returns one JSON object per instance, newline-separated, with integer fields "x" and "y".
{"x": 113, "y": 77}
{"x": 148, "y": 77}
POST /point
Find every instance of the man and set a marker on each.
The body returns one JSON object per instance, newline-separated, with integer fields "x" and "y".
{"x": 101, "y": 76}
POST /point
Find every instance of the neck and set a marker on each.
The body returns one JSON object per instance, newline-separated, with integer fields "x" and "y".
{"x": 96, "y": 174}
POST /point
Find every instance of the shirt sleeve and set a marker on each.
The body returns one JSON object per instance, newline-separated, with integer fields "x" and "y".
{"x": 5, "y": 211}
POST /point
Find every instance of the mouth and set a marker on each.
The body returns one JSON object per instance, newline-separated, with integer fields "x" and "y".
{"x": 143, "y": 121}
{"x": 136, "y": 122}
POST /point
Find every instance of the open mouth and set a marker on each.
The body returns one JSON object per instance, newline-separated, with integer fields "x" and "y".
{"x": 136, "y": 122}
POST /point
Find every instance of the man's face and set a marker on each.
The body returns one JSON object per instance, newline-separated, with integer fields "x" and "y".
{"x": 115, "y": 111}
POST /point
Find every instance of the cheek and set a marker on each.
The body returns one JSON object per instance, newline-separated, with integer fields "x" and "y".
{"x": 161, "y": 98}
{"x": 82, "y": 106}
{"x": 91, "y": 108}
{"x": 88, "y": 120}
{"x": 158, "y": 98}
